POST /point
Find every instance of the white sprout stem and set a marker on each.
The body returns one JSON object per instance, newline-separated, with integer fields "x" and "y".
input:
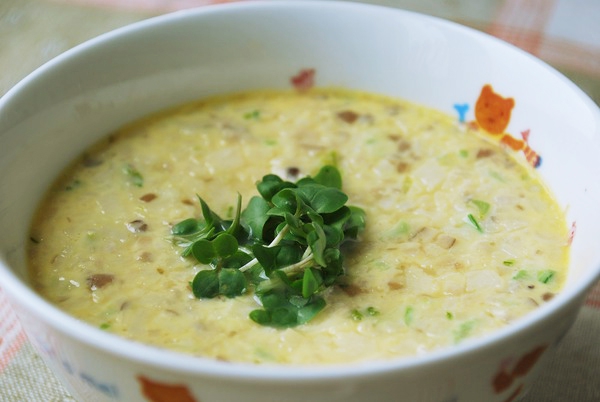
{"x": 249, "y": 265}
{"x": 275, "y": 242}
{"x": 307, "y": 252}
{"x": 280, "y": 236}
{"x": 269, "y": 284}
{"x": 300, "y": 264}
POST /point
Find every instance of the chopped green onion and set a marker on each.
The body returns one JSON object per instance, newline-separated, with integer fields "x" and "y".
{"x": 464, "y": 330}
{"x": 73, "y": 185}
{"x": 546, "y": 275}
{"x": 482, "y": 206}
{"x": 372, "y": 311}
{"x": 356, "y": 315}
{"x": 474, "y": 223}
{"x": 409, "y": 315}
{"x": 134, "y": 175}
{"x": 255, "y": 114}
{"x": 522, "y": 274}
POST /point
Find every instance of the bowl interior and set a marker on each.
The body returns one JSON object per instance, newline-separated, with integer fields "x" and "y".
{"x": 55, "y": 113}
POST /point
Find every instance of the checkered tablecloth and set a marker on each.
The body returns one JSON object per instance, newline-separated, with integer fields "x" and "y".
{"x": 565, "y": 33}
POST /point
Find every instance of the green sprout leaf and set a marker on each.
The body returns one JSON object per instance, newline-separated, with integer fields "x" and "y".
{"x": 311, "y": 281}
{"x": 187, "y": 227}
{"x": 232, "y": 282}
{"x": 225, "y": 245}
{"x": 272, "y": 184}
{"x": 310, "y": 311}
{"x": 204, "y": 251}
{"x": 322, "y": 199}
{"x": 317, "y": 242}
{"x": 329, "y": 176}
{"x": 355, "y": 223}
{"x": 222, "y": 246}
{"x": 206, "y": 284}
{"x": 255, "y": 216}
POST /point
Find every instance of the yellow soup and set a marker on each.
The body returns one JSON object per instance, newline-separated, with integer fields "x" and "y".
{"x": 460, "y": 237}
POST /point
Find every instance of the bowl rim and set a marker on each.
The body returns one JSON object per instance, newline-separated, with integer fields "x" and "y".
{"x": 152, "y": 356}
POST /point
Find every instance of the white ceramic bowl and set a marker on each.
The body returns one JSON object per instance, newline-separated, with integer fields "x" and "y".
{"x": 55, "y": 113}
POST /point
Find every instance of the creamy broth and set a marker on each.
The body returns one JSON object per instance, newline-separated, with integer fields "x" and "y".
{"x": 461, "y": 237}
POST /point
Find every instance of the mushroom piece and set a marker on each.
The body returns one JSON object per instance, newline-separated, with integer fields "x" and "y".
{"x": 98, "y": 281}
{"x": 137, "y": 226}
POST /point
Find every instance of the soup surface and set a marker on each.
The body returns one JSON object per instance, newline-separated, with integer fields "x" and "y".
{"x": 460, "y": 239}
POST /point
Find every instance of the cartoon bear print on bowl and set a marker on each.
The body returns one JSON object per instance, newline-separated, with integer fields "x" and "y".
{"x": 155, "y": 391}
{"x": 508, "y": 373}
{"x": 492, "y": 114}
